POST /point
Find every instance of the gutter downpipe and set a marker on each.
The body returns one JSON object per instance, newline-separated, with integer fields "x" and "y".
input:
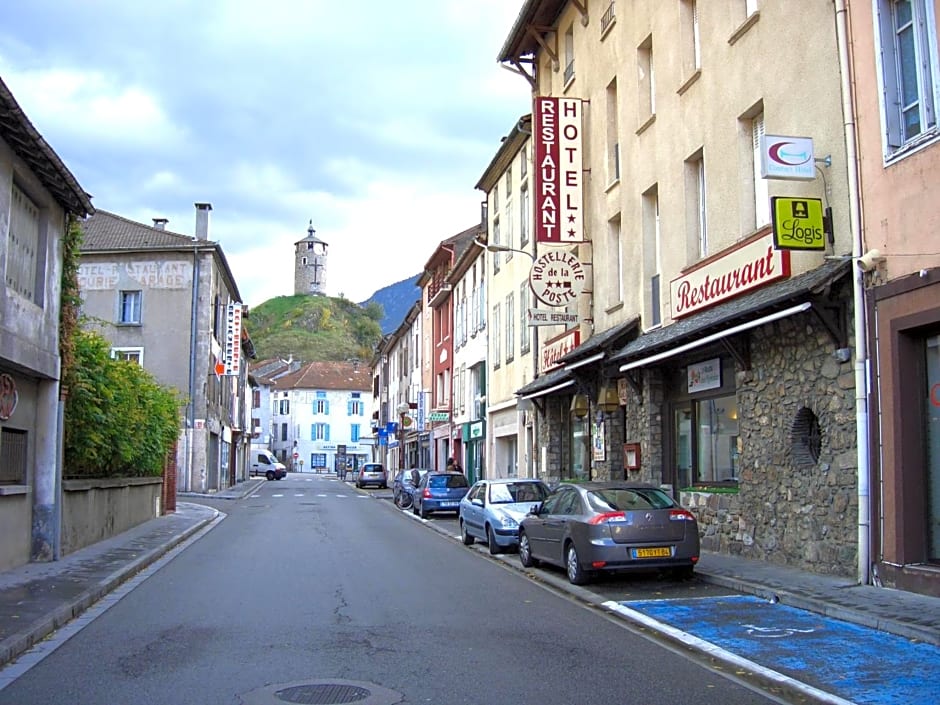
{"x": 862, "y": 362}
{"x": 191, "y": 410}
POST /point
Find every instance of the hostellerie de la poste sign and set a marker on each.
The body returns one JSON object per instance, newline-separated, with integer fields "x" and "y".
{"x": 558, "y": 173}
{"x": 744, "y": 269}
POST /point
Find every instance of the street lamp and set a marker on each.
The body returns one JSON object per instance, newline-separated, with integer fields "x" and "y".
{"x": 503, "y": 248}
{"x": 402, "y": 410}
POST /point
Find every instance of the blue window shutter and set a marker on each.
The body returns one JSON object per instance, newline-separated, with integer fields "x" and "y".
{"x": 349, "y": 408}
{"x": 326, "y": 408}
{"x": 326, "y": 432}
{"x": 313, "y": 432}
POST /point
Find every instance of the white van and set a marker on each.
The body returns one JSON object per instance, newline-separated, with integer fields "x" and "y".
{"x": 264, "y": 463}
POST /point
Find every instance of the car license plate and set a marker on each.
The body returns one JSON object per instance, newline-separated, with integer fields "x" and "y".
{"x": 658, "y": 552}
{"x": 449, "y": 504}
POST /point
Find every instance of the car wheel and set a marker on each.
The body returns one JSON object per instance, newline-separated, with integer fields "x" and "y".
{"x": 269, "y": 474}
{"x": 576, "y": 574}
{"x": 465, "y": 536}
{"x": 491, "y": 540}
{"x": 686, "y": 572}
{"x": 424, "y": 512}
{"x": 414, "y": 508}
{"x": 525, "y": 552}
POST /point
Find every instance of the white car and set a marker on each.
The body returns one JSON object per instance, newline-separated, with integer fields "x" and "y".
{"x": 492, "y": 509}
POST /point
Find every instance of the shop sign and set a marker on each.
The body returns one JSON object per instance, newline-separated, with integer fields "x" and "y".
{"x": 439, "y": 416}
{"x": 704, "y": 375}
{"x": 557, "y": 278}
{"x": 558, "y": 174}
{"x": 787, "y": 158}
{"x": 749, "y": 267}
{"x": 477, "y": 430}
{"x": 547, "y": 317}
{"x": 561, "y": 345}
{"x": 422, "y": 410}
{"x": 798, "y": 223}
{"x": 233, "y": 339}
{"x": 8, "y": 397}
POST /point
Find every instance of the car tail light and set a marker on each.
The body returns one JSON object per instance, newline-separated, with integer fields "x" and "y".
{"x": 681, "y": 515}
{"x": 427, "y": 493}
{"x": 606, "y": 518}
{"x": 597, "y": 565}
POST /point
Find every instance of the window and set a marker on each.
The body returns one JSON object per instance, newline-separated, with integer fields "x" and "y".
{"x": 355, "y": 406}
{"x": 525, "y": 333}
{"x": 646, "y": 100}
{"x": 761, "y": 190}
{"x": 496, "y": 356}
{"x": 524, "y": 216}
{"x": 652, "y": 255}
{"x": 613, "y": 132}
{"x": 319, "y": 432}
{"x": 524, "y": 163}
{"x": 707, "y": 441}
{"x": 510, "y": 327}
{"x": 354, "y": 433}
{"x": 691, "y": 39}
{"x": 255, "y": 398}
{"x": 614, "y": 262}
{"x": 907, "y": 34}
{"x": 569, "y": 54}
{"x": 321, "y": 405}
{"x": 696, "y": 222}
{"x": 283, "y": 431}
{"x": 750, "y": 7}
{"x": 508, "y": 234}
{"x": 130, "y": 307}
{"x": 509, "y": 181}
{"x": 12, "y": 456}
{"x": 931, "y": 434}
{"x": 283, "y": 407}
{"x": 135, "y": 355}
{"x": 22, "y": 269}
{"x": 496, "y": 241}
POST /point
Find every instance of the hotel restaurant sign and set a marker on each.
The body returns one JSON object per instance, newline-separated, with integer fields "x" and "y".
{"x": 749, "y": 267}
{"x": 558, "y": 173}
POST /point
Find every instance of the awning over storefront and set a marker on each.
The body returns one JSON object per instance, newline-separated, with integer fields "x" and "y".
{"x": 600, "y": 345}
{"x": 546, "y": 384}
{"x": 770, "y": 303}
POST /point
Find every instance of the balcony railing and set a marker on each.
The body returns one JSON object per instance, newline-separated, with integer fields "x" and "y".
{"x": 608, "y": 17}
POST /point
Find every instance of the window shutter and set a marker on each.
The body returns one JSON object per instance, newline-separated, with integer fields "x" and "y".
{"x": 326, "y": 432}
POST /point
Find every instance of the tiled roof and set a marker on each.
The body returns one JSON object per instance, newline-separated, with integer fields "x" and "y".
{"x": 107, "y": 231}
{"x": 25, "y": 140}
{"x": 328, "y": 375}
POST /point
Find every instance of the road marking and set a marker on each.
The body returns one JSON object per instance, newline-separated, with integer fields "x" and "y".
{"x": 299, "y": 495}
{"x": 277, "y": 495}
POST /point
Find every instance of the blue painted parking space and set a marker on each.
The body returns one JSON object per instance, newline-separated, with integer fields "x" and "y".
{"x": 856, "y": 663}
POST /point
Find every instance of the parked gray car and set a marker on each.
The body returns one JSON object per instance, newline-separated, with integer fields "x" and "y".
{"x": 492, "y": 509}
{"x": 591, "y": 527}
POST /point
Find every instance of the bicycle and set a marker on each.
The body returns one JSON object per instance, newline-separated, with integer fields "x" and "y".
{"x": 404, "y": 499}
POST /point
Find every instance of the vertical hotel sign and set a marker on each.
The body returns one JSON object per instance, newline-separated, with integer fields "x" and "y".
{"x": 558, "y": 173}
{"x": 233, "y": 339}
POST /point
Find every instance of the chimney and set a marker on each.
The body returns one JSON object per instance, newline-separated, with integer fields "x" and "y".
{"x": 160, "y": 223}
{"x": 202, "y": 220}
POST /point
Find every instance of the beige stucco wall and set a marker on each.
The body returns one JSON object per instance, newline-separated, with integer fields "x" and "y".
{"x": 787, "y": 68}
{"x": 94, "y": 510}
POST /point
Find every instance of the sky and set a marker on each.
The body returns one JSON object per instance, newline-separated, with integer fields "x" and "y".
{"x": 373, "y": 120}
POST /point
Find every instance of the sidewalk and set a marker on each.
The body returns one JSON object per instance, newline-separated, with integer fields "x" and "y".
{"x": 38, "y": 598}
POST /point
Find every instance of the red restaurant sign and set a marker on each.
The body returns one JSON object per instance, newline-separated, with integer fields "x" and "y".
{"x": 749, "y": 267}
{"x": 558, "y": 346}
{"x": 558, "y": 173}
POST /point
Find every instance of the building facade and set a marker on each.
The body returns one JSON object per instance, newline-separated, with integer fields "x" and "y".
{"x": 39, "y": 197}
{"x": 135, "y": 281}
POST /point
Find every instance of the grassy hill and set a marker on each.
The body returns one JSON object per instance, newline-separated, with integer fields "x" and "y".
{"x": 313, "y": 328}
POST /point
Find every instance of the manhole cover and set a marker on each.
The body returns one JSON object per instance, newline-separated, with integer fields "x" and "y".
{"x": 323, "y": 694}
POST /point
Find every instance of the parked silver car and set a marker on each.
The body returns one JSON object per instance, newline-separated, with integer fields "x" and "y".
{"x": 609, "y": 526}
{"x": 492, "y": 509}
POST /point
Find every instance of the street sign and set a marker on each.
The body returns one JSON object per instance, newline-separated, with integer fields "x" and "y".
{"x": 798, "y": 223}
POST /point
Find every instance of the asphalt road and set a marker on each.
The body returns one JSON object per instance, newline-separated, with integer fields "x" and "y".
{"x": 311, "y": 588}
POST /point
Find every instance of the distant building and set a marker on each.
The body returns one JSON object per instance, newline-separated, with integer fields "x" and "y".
{"x": 310, "y": 264}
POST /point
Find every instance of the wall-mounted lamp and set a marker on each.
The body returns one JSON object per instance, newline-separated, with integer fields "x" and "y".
{"x": 608, "y": 400}
{"x": 580, "y": 405}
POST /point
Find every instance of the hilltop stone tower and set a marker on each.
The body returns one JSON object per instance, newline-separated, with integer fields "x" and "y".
{"x": 310, "y": 264}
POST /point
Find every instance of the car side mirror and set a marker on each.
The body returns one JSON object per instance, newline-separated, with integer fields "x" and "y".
{"x": 477, "y": 501}
{"x": 535, "y": 509}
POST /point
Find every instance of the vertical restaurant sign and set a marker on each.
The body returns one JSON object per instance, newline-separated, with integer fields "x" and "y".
{"x": 558, "y": 174}
{"x": 233, "y": 338}
{"x": 749, "y": 267}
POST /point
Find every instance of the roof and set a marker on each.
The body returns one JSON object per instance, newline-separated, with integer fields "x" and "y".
{"x": 338, "y": 376}
{"x": 311, "y": 237}
{"x": 540, "y": 13}
{"x": 546, "y": 381}
{"x": 775, "y": 296}
{"x": 456, "y": 244}
{"x": 605, "y": 341}
{"x": 26, "y": 142}
{"x": 508, "y": 149}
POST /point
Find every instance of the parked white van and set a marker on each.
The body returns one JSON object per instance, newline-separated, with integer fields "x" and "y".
{"x": 264, "y": 463}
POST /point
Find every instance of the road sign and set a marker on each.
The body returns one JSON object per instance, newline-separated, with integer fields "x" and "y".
{"x": 296, "y": 455}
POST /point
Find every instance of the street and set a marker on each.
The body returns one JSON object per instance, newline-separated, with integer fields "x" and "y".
{"x": 309, "y": 585}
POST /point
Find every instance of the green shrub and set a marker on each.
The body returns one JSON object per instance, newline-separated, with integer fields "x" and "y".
{"x": 119, "y": 422}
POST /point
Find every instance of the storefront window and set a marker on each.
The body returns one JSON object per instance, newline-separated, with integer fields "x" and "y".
{"x": 580, "y": 448}
{"x": 932, "y": 434}
{"x": 707, "y": 442}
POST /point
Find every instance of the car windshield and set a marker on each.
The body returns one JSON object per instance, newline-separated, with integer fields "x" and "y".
{"x": 622, "y": 499}
{"x": 448, "y": 481}
{"x": 510, "y": 493}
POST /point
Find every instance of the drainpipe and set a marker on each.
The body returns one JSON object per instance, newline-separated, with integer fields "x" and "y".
{"x": 862, "y": 361}
{"x": 191, "y": 409}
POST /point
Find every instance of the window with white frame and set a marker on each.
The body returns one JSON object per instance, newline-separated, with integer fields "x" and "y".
{"x": 907, "y": 35}
{"x": 569, "y": 54}
{"x": 524, "y": 162}
{"x": 614, "y": 262}
{"x": 613, "y": 133}
{"x": 510, "y": 326}
{"x": 318, "y": 432}
{"x": 283, "y": 407}
{"x": 496, "y": 255}
{"x": 646, "y": 100}
{"x": 355, "y": 406}
{"x": 22, "y": 266}
{"x": 525, "y": 335}
{"x": 761, "y": 187}
{"x": 321, "y": 404}
{"x": 495, "y": 337}
{"x": 696, "y": 198}
{"x": 652, "y": 256}
{"x": 523, "y": 216}
{"x": 507, "y": 236}
{"x": 750, "y": 7}
{"x": 129, "y": 302}
{"x": 691, "y": 38}
{"x": 135, "y": 355}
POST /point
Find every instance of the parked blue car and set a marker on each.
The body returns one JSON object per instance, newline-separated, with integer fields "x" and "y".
{"x": 493, "y": 509}
{"x": 439, "y": 492}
